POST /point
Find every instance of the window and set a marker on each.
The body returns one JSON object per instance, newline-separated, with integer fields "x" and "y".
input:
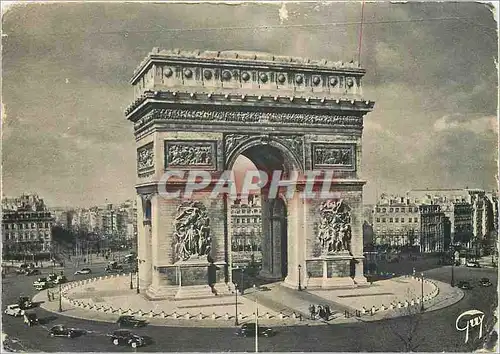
{"x": 415, "y": 220}
{"x": 383, "y": 219}
{"x": 416, "y": 210}
{"x": 46, "y": 224}
{"x": 378, "y": 210}
{"x": 397, "y": 210}
{"x": 378, "y": 219}
{"x": 384, "y": 210}
{"x": 397, "y": 220}
{"x": 403, "y": 210}
{"x": 391, "y": 210}
{"x": 402, "y": 219}
{"x": 390, "y": 220}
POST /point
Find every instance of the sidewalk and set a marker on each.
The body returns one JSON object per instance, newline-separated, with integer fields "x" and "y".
{"x": 108, "y": 298}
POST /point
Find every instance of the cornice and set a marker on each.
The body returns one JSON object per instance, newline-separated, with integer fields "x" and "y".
{"x": 253, "y": 101}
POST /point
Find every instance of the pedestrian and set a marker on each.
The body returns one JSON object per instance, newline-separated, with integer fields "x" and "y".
{"x": 322, "y": 312}
{"x": 327, "y": 312}
{"x": 312, "y": 311}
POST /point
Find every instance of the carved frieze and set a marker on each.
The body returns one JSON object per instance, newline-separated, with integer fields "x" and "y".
{"x": 192, "y": 231}
{"x": 189, "y": 154}
{"x": 334, "y": 156}
{"x": 295, "y": 143}
{"x": 334, "y": 230}
{"x": 232, "y": 141}
{"x": 145, "y": 160}
{"x": 249, "y": 117}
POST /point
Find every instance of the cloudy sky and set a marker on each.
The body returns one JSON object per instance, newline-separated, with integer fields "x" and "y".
{"x": 430, "y": 69}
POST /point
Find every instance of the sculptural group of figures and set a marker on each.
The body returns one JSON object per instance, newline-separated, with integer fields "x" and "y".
{"x": 335, "y": 227}
{"x": 192, "y": 231}
{"x": 185, "y": 155}
{"x": 145, "y": 159}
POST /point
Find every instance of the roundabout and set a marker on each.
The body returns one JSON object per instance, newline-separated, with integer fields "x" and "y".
{"x": 367, "y": 333}
{"x": 108, "y": 297}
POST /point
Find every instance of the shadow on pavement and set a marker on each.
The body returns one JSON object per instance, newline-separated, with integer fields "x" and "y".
{"x": 47, "y": 319}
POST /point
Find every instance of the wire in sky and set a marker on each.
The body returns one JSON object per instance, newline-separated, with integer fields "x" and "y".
{"x": 126, "y": 33}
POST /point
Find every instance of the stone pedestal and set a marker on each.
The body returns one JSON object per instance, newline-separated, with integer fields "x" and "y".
{"x": 330, "y": 271}
{"x": 189, "y": 280}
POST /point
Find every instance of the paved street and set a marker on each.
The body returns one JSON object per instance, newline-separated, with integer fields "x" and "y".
{"x": 370, "y": 336}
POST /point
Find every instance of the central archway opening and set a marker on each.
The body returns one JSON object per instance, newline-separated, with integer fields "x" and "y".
{"x": 259, "y": 224}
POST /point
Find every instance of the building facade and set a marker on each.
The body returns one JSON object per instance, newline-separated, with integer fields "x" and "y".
{"x": 454, "y": 203}
{"x": 26, "y": 226}
{"x": 396, "y": 222}
{"x": 246, "y": 225}
{"x": 433, "y": 227}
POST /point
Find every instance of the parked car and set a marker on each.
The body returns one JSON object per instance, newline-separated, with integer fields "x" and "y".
{"x": 14, "y": 310}
{"x": 473, "y": 264}
{"x": 25, "y": 303}
{"x": 40, "y": 282}
{"x": 61, "y": 279}
{"x": 248, "y": 330}
{"x": 30, "y": 319}
{"x": 52, "y": 277}
{"x": 125, "y": 337}
{"x": 62, "y": 331}
{"x": 464, "y": 285}
{"x": 32, "y": 271}
{"x": 118, "y": 269}
{"x": 485, "y": 282}
{"x": 130, "y": 321}
{"x": 84, "y": 271}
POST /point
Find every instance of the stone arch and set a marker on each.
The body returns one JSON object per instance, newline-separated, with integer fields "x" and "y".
{"x": 293, "y": 162}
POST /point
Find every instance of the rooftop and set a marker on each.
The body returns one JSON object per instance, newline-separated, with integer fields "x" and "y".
{"x": 243, "y": 56}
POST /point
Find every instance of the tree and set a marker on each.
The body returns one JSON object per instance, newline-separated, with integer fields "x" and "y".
{"x": 406, "y": 327}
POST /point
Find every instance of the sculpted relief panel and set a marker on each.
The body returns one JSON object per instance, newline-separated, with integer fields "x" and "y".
{"x": 145, "y": 159}
{"x": 191, "y": 154}
{"x": 334, "y": 156}
{"x": 192, "y": 231}
{"x": 334, "y": 232}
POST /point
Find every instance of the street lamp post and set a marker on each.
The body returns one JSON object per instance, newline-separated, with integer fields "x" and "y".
{"x": 256, "y": 323}
{"x": 137, "y": 273}
{"x": 242, "y": 284}
{"x": 236, "y": 305}
{"x": 422, "y": 295}
{"x": 300, "y": 285}
{"x": 453, "y": 268}
{"x": 131, "y": 273}
{"x": 60, "y": 298}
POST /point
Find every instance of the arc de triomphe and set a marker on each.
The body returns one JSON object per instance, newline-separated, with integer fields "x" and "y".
{"x": 200, "y": 111}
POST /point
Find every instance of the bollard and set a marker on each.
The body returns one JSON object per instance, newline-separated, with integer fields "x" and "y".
{"x": 214, "y": 316}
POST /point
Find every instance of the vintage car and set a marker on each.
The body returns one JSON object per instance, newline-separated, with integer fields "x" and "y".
{"x": 485, "y": 282}
{"x": 61, "y": 279}
{"x": 30, "y": 319}
{"x": 32, "y": 271}
{"x": 83, "y": 271}
{"x": 25, "y": 303}
{"x": 130, "y": 321}
{"x": 464, "y": 285}
{"x": 62, "y": 331}
{"x": 125, "y": 337}
{"x": 14, "y": 310}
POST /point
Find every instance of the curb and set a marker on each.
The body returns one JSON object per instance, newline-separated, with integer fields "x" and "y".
{"x": 198, "y": 316}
